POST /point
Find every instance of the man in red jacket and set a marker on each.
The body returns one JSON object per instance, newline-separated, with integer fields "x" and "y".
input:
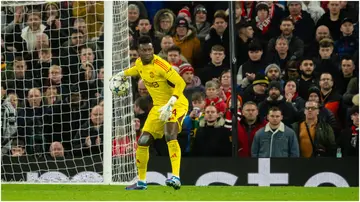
{"x": 248, "y": 126}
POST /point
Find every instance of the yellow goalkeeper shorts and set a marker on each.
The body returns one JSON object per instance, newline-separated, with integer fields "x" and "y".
{"x": 156, "y": 127}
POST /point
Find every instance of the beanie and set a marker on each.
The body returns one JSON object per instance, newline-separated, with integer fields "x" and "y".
{"x": 261, "y": 79}
{"x": 181, "y": 22}
{"x": 184, "y": 68}
{"x": 272, "y": 66}
{"x": 314, "y": 89}
{"x": 186, "y": 12}
{"x": 275, "y": 84}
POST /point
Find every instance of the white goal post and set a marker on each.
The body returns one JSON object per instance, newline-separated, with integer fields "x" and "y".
{"x": 30, "y": 156}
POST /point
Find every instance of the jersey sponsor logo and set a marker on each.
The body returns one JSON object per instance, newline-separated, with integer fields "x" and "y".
{"x": 151, "y": 84}
{"x": 162, "y": 65}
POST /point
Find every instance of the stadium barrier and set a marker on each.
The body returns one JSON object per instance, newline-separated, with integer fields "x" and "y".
{"x": 195, "y": 171}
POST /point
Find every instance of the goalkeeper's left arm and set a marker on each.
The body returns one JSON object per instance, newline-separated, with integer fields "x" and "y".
{"x": 132, "y": 71}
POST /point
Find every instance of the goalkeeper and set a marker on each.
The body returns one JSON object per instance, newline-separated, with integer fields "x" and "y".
{"x": 166, "y": 88}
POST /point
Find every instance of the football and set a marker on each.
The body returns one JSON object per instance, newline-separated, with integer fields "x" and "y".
{"x": 120, "y": 86}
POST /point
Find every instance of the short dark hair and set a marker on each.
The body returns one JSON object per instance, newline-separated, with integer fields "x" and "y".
{"x": 133, "y": 48}
{"x": 174, "y": 48}
{"x": 347, "y": 57}
{"x": 197, "y": 96}
{"x": 144, "y": 40}
{"x": 17, "y": 143}
{"x": 274, "y": 109}
{"x": 255, "y": 45}
{"x": 287, "y": 19}
{"x": 18, "y": 58}
{"x": 218, "y": 48}
{"x": 250, "y": 103}
{"x": 142, "y": 103}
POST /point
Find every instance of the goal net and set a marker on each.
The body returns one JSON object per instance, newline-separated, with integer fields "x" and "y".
{"x": 58, "y": 122}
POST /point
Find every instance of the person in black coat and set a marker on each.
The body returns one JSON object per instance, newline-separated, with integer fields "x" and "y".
{"x": 349, "y": 138}
{"x": 257, "y": 91}
{"x": 289, "y": 112}
{"x": 327, "y": 19}
{"x": 212, "y": 138}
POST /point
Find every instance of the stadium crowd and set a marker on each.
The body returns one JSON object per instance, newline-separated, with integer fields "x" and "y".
{"x": 297, "y": 77}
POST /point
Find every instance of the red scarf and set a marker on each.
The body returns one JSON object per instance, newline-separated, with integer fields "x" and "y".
{"x": 177, "y": 64}
{"x": 263, "y": 26}
{"x": 297, "y": 18}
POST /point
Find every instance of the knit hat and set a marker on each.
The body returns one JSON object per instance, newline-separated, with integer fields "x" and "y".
{"x": 199, "y": 8}
{"x": 261, "y": 79}
{"x": 275, "y": 84}
{"x": 186, "y": 12}
{"x": 184, "y": 68}
{"x": 272, "y": 66}
{"x": 314, "y": 89}
{"x": 354, "y": 109}
{"x": 181, "y": 22}
{"x": 295, "y": 2}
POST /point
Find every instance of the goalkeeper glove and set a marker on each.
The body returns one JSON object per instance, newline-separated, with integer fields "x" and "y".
{"x": 166, "y": 110}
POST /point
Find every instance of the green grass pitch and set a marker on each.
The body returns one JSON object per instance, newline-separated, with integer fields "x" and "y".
{"x": 34, "y": 192}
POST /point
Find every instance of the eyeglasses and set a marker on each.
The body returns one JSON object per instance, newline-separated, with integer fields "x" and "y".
{"x": 311, "y": 108}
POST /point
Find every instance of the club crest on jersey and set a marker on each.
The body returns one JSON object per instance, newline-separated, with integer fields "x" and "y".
{"x": 152, "y": 75}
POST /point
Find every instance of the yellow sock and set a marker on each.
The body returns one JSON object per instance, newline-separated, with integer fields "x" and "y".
{"x": 175, "y": 156}
{"x": 142, "y": 158}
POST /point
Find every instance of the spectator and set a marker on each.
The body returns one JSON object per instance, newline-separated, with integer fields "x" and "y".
{"x": 201, "y": 24}
{"x": 12, "y": 37}
{"x": 163, "y": 22}
{"x": 218, "y": 35}
{"x": 89, "y": 139}
{"x": 245, "y": 34}
{"x": 142, "y": 91}
{"x": 34, "y": 123}
{"x": 350, "y": 11}
{"x": 225, "y": 85}
{"x": 197, "y": 113}
{"x": 145, "y": 28}
{"x": 292, "y": 96}
{"x": 329, "y": 97}
{"x": 316, "y": 138}
{"x": 212, "y": 97}
{"x": 174, "y": 56}
{"x": 307, "y": 78}
{"x": 17, "y": 148}
{"x": 57, "y": 150}
{"x": 185, "y": 13}
{"x": 292, "y": 70}
{"x": 217, "y": 65}
{"x": 327, "y": 61}
{"x": 40, "y": 70}
{"x": 303, "y": 24}
{"x": 254, "y": 66}
{"x": 249, "y": 124}
{"x": 265, "y": 27}
{"x": 93, "y": 12}
{"x": 133, "y": 53}
{"x": 67, "y": 119}
{"x": 296, "y": 45}
{"x": 133, "y": 16}
{"x": 228, "y": 113}
{"x": 281, "y": 56}
{"x": 8, "y": 122}
{"x": 349, "y": 138}
{"x": 273, "y": 72}
{"x": 348, "y": 42}
{"x": 19, "y": 79}
{"x": 275, "y": 140}
{"x": 193, "y": 83}
{"x": 321, "y": 33}
{"x": 166, "y": 43}
{"x": 212, "y": 139}
{"x": 35, "y": 27}
{"x": 275, "y": 99}
{"x": 185, "y": 38}
{"x": 55, "y": 80}
{"x": 51, "y": 96}
{"x": 347, "y": 73}
{"x": 257, "y": 91}
{"x": 141, "y": 110}
{"x": 313, "y": 8}
{"x": 351, "y": 90}
{"x": 332, "y": 19}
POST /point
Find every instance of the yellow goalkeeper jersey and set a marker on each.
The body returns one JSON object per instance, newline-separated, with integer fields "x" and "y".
{"x": 161, "y": 80}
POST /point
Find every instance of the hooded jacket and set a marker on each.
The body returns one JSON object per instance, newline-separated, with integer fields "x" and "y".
{"x": 189, "y": 45}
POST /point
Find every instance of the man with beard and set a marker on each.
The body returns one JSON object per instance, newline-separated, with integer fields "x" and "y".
{"x": 275, "y": 99}
{"x": 273, "y": 73}
{"x": 307, "y": 78}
